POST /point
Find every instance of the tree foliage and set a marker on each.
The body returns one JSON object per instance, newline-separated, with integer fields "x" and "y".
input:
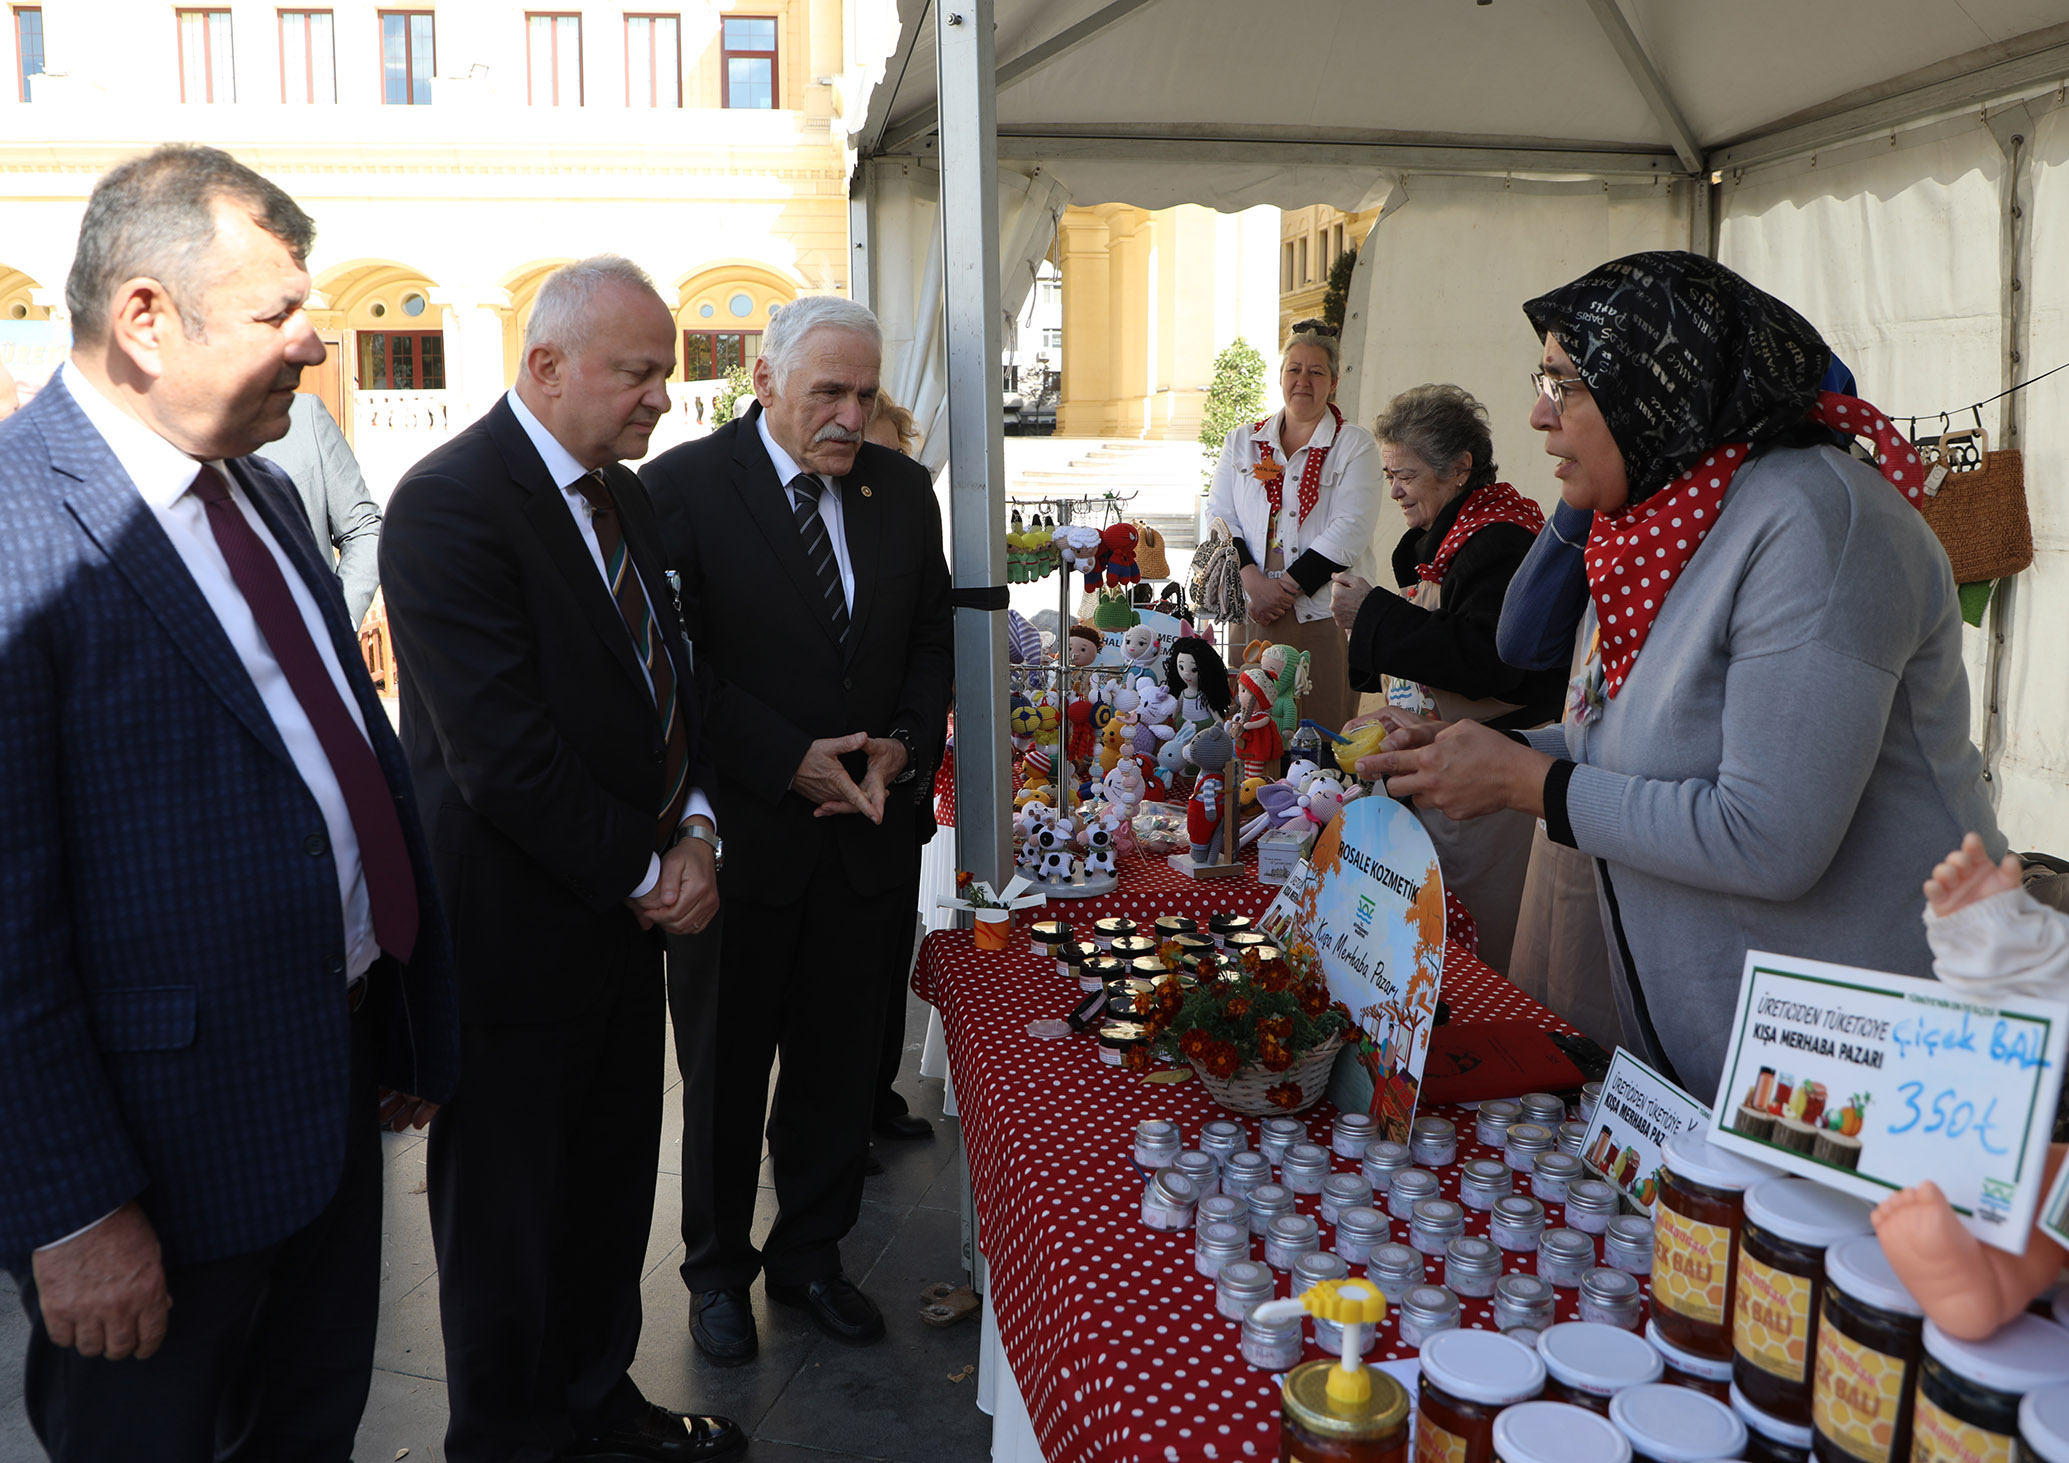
{"x": 1235, "y": 396}
{"x": 738, "y": 384}
{"x": 1337, "y": 297}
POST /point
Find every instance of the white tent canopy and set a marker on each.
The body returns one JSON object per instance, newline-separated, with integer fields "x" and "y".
{"x": 1894, "y": 168}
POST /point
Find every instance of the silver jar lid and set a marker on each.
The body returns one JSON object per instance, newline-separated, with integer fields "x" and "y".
{"x": 1242, "y": 1278}
{"x": 1566, "y": 1244}
{"x": 1156, "y": 1130}
{"x": 1606, "y": 1287}
{"x": 1394, "y": 1262}
{"x": 1306, "y": 1158}
{"x": 1271, "y": 1199}
{"x": 1173, "y": 1189}
{"x": 1518, "y": 1211}
{"x": 1571, "y": 1136}
{"x": 1361, "y": 1224}
{"x": 1629, "y": 1234}
{"x": 1222, "y": 1136}
{"x": 1471, "y": 1255}
{"x": 1435, "y": 1130}
{"x": 1197, "y": 1166}
{"x": 1439, "y": 1216}
{"x": 1525, "y": 1292}
{"x": 1246, "y": 1164}
{"x": 1350, "y": 1125}
{"x": 1317, "y": 1266}
{"x": 1222, "y": 1238}
{"x": 1346, "y": 1188}
{"x": 1530, "y": 1138}
{"x": 1558, "y": 1167}
{"x": 1485, "y": 1173}
{"x": 1414, "y": 1183}
{"x": 1299, "y": 1229}
{"x": 1590, "y": 1196}
{"x": 1385, "y": 1153}
{"x": 1256, "y": 1325}
{"x": 1543, "y": 1107}
{"x": 1289, "y": 1130}
{"x": 1224, "y": 1209}
{"x": 1429, "y": 1305}
{"x": 1500, "y": 1112}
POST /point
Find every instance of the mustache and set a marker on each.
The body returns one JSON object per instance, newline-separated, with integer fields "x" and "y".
{"x": 832, "y": 432}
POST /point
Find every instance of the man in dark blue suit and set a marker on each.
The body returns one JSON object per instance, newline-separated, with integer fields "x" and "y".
{"x": 219, "y": 937}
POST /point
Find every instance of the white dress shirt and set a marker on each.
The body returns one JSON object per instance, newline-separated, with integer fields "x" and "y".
{"x": 566, "y": 473}
{"x": 829, "y": 506}
{"x": 162, "y": 474}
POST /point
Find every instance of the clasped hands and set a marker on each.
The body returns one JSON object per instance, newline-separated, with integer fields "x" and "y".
{"x": 822, "y": 778}
{"x": 685, "y": 895}
{"x": 1460, "y": 768}
{"x": 1267, "y": 597}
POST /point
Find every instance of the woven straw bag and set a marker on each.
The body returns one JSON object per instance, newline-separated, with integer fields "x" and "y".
{"x": 1217, "y": 579}
{"x": 1244, "y": 1092}
{"x": 1978, "y": 512}
{"x": 1149, "y": 553}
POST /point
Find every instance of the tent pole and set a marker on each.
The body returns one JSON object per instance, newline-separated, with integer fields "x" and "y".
{"x": 862, "y": 235}
{"x": 967, "y": 64}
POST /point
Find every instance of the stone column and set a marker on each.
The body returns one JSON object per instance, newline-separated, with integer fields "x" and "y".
{"x": 474, "y": 375}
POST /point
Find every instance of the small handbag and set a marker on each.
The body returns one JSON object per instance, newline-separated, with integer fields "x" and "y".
{"x": 1216, "y": 583}
{"x": 1975, "y": 504}
{"x": 1150, "y": 557}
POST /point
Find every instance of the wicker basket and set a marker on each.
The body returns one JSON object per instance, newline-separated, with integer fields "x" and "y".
{"x": 1979, "y": 513}
{"x": 1244, "y": 1092}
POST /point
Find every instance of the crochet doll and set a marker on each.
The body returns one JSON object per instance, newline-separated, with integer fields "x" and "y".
{"x": 1115, "y": 557}
{"x": 1202, "y": 817}
{"x": 1989, "y": 939}
{"x": 1258, "y": 741}
{"x": 1085, "y": 645}
{"x": 1289, "y": 667}
{"x": 1194, "y": 673}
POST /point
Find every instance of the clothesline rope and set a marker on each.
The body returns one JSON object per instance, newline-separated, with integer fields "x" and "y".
{"x": 1976, "y": 408}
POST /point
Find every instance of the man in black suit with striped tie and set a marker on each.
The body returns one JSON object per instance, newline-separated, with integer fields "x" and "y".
{"x": 814, "y": 587}
{"x": 551, "y": 717}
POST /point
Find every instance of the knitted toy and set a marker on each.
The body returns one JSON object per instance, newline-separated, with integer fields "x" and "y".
{"x": 1077, "y": 547}
{"x": 1202, "y": 816}
{"x": 1115, "y": 556}
{"x": 1087, "y": 719}
{"x": 1124, "y": 786}
{"x": 1139, "y": 649}
{"x": 1194, "y": 673}
{"x": 1099, "y": 840}
{"x": 1257, "y": 739}
{"x": 1155, "y": 718}
{"x": 1290, "y": 668}
{"x": 1085, "y": 644}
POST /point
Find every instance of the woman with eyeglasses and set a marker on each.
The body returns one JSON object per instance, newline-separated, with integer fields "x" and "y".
{"x": 1766, "y": 744}
{"x": 1300, "y": 490}
{"x": 1430, "y": 647}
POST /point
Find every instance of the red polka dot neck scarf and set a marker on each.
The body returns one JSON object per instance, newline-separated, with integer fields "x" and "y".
{"x": 1635, "y": 556}
{"x": 1494, "y": 503}
{"x": 1273, "y": 476}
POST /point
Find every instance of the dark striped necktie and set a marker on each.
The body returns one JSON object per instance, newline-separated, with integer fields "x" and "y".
{"x": 648, "y": 644}
{"x": 805, "y": 489}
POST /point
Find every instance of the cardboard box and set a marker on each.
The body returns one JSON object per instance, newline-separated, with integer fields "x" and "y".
{"x": 1279, "y": 850}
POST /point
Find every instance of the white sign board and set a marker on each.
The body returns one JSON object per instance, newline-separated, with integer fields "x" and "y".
{"x": 1639, "y": 1111}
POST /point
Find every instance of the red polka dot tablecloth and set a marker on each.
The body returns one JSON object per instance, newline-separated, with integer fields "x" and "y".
{"x": 1111, "y": 1332}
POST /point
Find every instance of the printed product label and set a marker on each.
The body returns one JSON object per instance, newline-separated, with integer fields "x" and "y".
{"x": 1690, "y": 1261}
{"x": 1771, "y": 1326}
{"x": 1939, "y": 1437}
{"x": 1858, "y": 1397}
{"x": 1434, "y": 1445}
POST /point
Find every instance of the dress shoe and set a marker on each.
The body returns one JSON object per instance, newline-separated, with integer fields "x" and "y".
{"x": 872, "y": 1166}
{"x": 661, "y": 1436}
{"x": 903, "y": 1125}
{"x": 836, "y": 1306}
{"x": 722, "y": 1325}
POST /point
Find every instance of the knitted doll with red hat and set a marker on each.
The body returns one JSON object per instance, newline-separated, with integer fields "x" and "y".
{"x": 1258, "y": 742}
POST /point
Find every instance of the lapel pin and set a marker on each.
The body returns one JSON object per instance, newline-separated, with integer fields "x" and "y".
{"x": 865, "y": 490}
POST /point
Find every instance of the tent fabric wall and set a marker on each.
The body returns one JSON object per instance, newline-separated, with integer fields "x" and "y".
{"x": 1445, "y": 272}
{"x": 1893, "y": 253}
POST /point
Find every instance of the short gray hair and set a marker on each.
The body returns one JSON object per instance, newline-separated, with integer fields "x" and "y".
{"x": 1321, "y": 341}
{"x": 1440, "y": 424}
{"x": 155, "y": 217}
{"x": 789, "y": 326}
{"x": 561, "y": 316}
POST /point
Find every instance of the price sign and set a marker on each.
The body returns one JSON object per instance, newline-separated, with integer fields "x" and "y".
{"x": 1871, "y": 1083}
{"x": 1639, "y": 1111}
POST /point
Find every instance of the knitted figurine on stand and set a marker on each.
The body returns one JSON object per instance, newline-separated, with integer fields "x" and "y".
{"x": 1258, "y": 741}
{"x": 1194, "y": 673}
{"x": 1989, "y": 939}
{"x": 1203, "y": 818}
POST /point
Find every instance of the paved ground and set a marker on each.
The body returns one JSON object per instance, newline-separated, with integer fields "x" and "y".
{"x": 910, "y": 1398}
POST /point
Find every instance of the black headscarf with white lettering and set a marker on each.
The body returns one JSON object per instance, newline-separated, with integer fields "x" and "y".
{"x": 1681, "y": 354}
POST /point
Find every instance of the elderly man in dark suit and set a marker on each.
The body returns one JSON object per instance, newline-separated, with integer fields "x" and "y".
{"x": 550, "y": 711}
{"x": 318, "y": 460}
{"x": 218, "y": 931}
{"x": 814, "y": 586}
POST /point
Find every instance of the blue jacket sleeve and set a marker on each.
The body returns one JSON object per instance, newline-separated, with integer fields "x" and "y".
{"x": 1547, "y": 596}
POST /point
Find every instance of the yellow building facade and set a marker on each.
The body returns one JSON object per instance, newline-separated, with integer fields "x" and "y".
{"x": 1310, "y": 239}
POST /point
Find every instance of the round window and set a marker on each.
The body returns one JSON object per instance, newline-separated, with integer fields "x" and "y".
{"x": 413, "y": 304}
{"x": 18, "y": 310}
{"x": 742, "y": 305}
{"x": 707, "y": 310}
{"x": 377, "y": 309}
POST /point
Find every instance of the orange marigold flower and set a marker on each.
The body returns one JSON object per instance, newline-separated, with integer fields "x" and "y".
{"x": 1273, "y": 975}
{"x": 1155, "y": 1025}
{"x": 1238, "y": 1007}
{"x": 1312, "y": 999}
{"x": 1275, "y": 1028}
{"x": 1273, "y": 1055}
{"x": 1283, "y": 1094}
{"x": 1135, "y": 1059}
{"x": 1194, "y": 1042}
{"x": 1221, "y": 1059}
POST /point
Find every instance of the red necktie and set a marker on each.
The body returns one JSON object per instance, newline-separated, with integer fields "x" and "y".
{"x": 390, "y": 878}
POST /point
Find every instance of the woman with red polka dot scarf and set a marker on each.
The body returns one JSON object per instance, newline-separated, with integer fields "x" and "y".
{"x": 1765, "y": 745}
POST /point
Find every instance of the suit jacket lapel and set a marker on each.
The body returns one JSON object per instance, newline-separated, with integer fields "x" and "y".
{"x": 114, "y": 515}
{"x": 547, "y": 511}
{"x": 768, "y": 505}
{"x": 634, "y": 516}
{"x": 863, "y": 522}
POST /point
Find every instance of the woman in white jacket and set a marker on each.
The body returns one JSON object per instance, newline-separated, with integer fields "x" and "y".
{"x": 1300, "y": 490}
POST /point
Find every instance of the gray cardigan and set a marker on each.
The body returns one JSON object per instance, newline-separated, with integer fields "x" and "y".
{"x": 342, "y": 515}
{"x": 1789, "y": 756}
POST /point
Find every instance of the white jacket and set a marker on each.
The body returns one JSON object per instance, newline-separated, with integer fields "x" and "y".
{"x": 1339, "y": 528}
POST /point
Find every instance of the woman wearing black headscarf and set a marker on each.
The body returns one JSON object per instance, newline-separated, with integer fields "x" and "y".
{"x": 1766, "y": 745}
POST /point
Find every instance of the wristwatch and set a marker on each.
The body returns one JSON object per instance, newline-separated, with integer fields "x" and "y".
{"x": 703, "y": 835}
{"x": 912, "y": 762}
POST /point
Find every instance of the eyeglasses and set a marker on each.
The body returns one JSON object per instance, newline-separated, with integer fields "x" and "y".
{"x": 1554, "y": 388}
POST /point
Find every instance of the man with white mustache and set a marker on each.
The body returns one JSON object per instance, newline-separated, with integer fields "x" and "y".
{"x": 815, "y": 591}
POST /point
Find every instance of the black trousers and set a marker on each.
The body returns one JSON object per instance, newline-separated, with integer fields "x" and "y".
{"x": 267, "y": 1355}
{"x": 541, "y": 1176}
{"x": 889, "y": 1102}
{"x": 804, "y": 979}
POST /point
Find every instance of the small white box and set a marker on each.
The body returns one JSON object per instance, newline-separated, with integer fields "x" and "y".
{"x": 1279, "y": 850}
